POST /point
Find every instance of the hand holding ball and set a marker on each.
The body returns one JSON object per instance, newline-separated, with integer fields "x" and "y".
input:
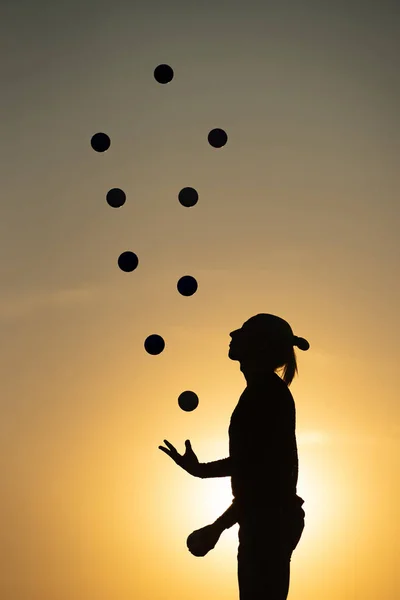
{"x": 201, "y": 541}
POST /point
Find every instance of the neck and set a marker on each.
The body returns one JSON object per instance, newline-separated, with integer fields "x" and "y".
{"x": 254, "y": 372}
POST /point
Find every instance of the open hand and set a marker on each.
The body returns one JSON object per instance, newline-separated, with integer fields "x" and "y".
{"x": 188, "y": 461}
{"x": 201, "y": 541}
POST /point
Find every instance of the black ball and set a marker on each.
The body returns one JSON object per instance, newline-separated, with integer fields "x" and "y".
{"x": 188, "y": 197}
{"x": 154, "y": 344}
{"x": 188, "y": 401}
{"x": 116, "y": 198}
{"x": 128, "y": 261}
{"x": 163, "y": 74}
{"x": 187, "y": 285}
{"x": 217, "y": 138}
{"x": 100, "y": 142}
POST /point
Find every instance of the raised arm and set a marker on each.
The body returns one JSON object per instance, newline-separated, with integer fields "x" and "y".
{"x": 218, "y": 468}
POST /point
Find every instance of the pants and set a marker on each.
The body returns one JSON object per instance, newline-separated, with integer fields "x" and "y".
{"x": 265, "y": 549}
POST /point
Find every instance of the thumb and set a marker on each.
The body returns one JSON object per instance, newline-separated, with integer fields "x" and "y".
{"x": 187, "y": 443}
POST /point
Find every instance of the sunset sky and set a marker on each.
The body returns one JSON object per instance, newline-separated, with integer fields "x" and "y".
{"x": 298, "y": 216}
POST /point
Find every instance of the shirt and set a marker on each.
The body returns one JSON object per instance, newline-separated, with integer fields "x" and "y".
{"x": 263, "y": 458}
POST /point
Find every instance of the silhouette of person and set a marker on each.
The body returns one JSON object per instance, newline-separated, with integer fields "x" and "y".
{"x": 262, "y": 462}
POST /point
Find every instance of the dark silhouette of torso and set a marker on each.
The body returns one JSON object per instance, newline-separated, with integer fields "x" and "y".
{"x": 262, "y": 446}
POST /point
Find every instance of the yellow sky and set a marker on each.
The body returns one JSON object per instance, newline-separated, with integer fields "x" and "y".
{"x": 297, "y": 216}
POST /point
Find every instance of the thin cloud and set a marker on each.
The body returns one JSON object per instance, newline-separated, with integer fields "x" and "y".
{"x": 312, "y": 438}
{"x": 25, "y": 304}
{"x": 338, "y": 437}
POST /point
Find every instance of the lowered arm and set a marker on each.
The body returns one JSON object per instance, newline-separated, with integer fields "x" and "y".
{"x": 228, "y": 518}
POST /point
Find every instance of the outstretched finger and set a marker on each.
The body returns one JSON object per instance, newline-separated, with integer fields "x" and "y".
{"x": 170, "y": 446}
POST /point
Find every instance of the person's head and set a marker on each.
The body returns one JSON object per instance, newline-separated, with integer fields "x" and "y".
{"x": 265, "y": 343}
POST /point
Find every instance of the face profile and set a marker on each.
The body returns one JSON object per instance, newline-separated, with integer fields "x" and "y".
{"x": 248, "y": 344}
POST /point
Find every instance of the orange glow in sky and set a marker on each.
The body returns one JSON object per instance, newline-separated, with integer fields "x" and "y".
{"x": 297, "y": 216}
